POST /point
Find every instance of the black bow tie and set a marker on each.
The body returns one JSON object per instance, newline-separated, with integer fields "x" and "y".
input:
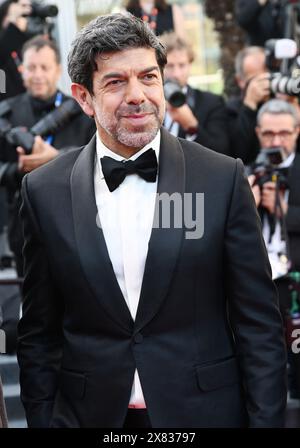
{"x": 115, "y": 171}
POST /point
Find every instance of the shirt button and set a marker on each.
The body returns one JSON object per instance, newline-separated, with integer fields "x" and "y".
{"x": 138, "y": 338}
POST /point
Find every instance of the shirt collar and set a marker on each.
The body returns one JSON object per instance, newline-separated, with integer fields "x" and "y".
{"x": 102, "y": 150}
{"x": 288, "y": 161}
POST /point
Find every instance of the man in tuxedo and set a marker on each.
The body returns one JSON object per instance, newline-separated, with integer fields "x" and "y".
{"x": 203, "y": 117}
{"x": 253, "y": 79}
{"x": 128, "y": 323}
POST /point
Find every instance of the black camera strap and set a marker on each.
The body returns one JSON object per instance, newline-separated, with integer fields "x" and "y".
{"x": 282, "y": 219}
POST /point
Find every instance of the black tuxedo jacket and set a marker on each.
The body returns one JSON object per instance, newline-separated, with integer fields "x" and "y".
{"x": 207, "y": 340}
{"x": 293, "y": 213}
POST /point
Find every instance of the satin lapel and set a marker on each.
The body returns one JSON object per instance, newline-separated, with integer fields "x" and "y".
{"x": 164, "y": 244}
{"x": 90, "y": 240}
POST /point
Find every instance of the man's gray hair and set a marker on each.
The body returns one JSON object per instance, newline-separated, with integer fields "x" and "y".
{"x": 241, "y": 56}
{"x": 277, "y": 107}
{"x": 105, "y": 34}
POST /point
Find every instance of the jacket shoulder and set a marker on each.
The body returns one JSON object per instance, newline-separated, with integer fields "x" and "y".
{"x": 7, "y": 105}
{"x": 195, "y": 153}
{"x": 54, "y": 171}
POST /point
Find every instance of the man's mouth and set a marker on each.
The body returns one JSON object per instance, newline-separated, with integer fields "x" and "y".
{"x": 137, "y": 118}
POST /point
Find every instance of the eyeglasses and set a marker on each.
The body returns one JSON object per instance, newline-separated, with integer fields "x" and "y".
{"x": 283, "y": 135}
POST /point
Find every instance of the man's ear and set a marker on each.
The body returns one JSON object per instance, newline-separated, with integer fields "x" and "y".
{"x": 83, "y": 97}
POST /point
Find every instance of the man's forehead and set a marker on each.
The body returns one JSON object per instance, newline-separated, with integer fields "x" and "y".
{"x": 127, "y": 59}
{"x": 254, "y": 64}
{"x": 38, "y": 53}
{"x": 278, "y": 121}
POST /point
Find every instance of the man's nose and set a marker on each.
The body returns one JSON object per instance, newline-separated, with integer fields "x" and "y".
{"x": 38, "y": 72}
{"x": 175, "y": 73}
{"x": 276, "y": 141}
{"x": 134, "y": 92}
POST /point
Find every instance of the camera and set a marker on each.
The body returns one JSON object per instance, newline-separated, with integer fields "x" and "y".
{"x": 39, "y": 20}
{"x": 173, "y": 93}
{"x": 284, "y": 66}
{"x": 266, "y": 168}
{"x": 50, "y": 124}
{"x": 43, "y": 11}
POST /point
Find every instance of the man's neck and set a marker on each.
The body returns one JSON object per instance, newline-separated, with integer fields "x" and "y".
{"x": 119, "y": 149}
{"x": 42, "y": 98}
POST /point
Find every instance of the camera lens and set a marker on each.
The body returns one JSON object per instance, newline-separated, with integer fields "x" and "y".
{"x": 173, "y": 93}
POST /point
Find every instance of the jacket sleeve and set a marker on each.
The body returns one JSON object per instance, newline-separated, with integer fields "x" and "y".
{"x": 293, "y": 219}
{"x": 40, "y": 335}
{"x": 243, "y": 141}
{"x": 247, "y": 12}
{"x": 253, "y": 310}
{"x": 11, "y": 39}
{"x": 213, "y": 133}
{"x": 10, "y": 176}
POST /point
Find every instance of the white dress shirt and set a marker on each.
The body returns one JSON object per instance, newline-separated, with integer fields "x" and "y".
{"x": 126, "y": 217}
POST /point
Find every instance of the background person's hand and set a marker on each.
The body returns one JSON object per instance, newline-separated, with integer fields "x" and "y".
{"x": 255, "y": 189}
{"x": 183, "y": 115}
{"x": 16, "y": 14}
{"x": 268, "y": 198}
{"x": 258, "y": 90}
{"x": 41, "y": 153}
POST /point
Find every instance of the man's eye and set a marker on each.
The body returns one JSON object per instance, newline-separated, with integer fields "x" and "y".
{"x": 149, "y": 76}
{"x": 115, "y": 82}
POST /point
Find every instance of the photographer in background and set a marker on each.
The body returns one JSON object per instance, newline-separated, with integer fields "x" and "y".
{"x": 253, "y": 79}
{"x": 41, "y": 73}
{"x": 278, "y": 128}
{"x": 13, "y": 35}
{"x": 261, "y": 19}
{"x": 203, "y": 116}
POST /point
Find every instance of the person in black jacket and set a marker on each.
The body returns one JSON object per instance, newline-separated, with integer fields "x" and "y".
{"x": 161, "y": 16}
{"x": 252, "y": 78}
{"x": 203, "y": 117}
{"x": 262, "y": 19}
{"x": 278, "y": 127}
{"x": 41, "y": 74}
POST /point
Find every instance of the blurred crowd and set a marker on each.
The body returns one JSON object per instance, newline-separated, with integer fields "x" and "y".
{"x": 260, "y": 125}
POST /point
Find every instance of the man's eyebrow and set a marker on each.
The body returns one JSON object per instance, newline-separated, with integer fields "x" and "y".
{"x": 120, "y": 74}
{"x": 111, "y": 75}
{"x": 150, "y": 69}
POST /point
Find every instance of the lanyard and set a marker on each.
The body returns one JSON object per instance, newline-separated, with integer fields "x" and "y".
{"x": 58, "y": 100}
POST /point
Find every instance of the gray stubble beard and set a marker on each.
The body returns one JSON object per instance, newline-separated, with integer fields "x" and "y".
{"x": 127, "y": 137}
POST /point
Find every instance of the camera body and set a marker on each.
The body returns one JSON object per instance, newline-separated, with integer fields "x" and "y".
{"x": 43, "y": 10}
{"x": 50, "y": 124}
{"x": 283, "y": 63}
{"x": 173, "y": 93}
{"x": 266, "y": 168}
{"x": 39, "y": 20}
